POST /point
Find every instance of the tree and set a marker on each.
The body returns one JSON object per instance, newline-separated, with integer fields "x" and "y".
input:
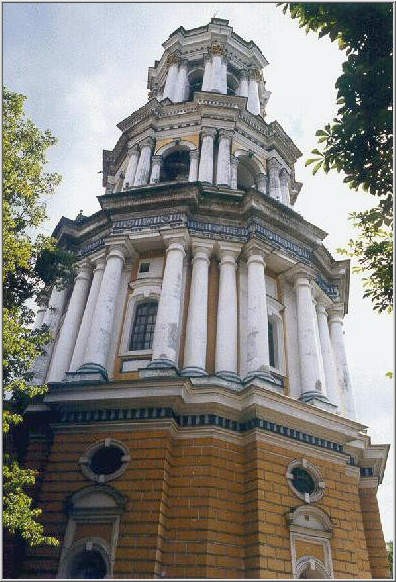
{"x": 29, "y": 262}
{"x": 358, "y": 141}
{"x": 389, "y": 548}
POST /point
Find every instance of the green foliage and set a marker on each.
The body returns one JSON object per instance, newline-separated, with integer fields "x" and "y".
{"x": 358, "y": 142}
{"x": 25, "y": 257}
{"x": 390, "y": 557}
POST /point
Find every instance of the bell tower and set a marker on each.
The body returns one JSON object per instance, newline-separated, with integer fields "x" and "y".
{"x": 200, "y": 420}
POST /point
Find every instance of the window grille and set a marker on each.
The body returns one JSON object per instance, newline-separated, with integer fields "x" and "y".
{"x": 143, "y": 326}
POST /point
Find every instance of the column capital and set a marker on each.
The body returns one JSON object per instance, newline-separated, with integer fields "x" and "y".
{"x": 255, "y": 249}
{"x": 244, "y": 74}
{"x": 133, "y": 148}
{"x": 147, "y": 141}
{"x": 208, "y": 131}
{"x": 336, "y": 313}
{"x": 84, "y": 269}
{"x": 273, "y": 164}
{"x": 120, "y": 246}
{"x": 255, "y": 75}
{"x": 228, "y": 252}
{"x": 202, "y": 249}
{"x": 173, "y": 59}
{"x": 175, "y": 240}
{"x": 226, "y": 133}
{"x": 302, "y": 278}
{"x": 194, "y": 154}
{"x": 156, "y": 160}
{"x": 217, "y": 49}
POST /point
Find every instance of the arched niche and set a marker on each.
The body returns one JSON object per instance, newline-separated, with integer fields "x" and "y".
{"x": 175, "y": 161}
{"x": 195, "y": 78}
{"x": 249, "y": 169}
{"x": 310, "y": 568}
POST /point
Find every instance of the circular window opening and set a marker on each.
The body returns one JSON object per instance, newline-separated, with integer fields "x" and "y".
{"x": 104, "y": 461}
{"x": 302, "y": 481}
{"x": 88, "y": 565}
{"x": 107, "y": 460}
{"x": 305, "y": 481}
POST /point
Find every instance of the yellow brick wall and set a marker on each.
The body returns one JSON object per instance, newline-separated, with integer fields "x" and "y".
{"x": 206, "y": 507}
{"x": 373, "y": 533}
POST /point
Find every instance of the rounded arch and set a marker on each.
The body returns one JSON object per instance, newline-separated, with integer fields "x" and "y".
{"x": 175, "y": 163}
{"x": 309, "y": 567}
{"x": 249, "y": 168}
{"x": 195, "y": 78}
{"x": 232, "y": 84}
{"x": 310, "y": 518}
{"x": 87, "y": 558}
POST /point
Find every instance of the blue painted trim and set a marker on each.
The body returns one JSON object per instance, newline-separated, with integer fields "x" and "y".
{"x": 154, "y": 413}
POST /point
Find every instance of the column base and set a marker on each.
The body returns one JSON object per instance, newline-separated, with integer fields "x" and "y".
{"x": 318, "y": 399}
{"x": 260, "y": 374}
{"x": 193, "y": 371}
{"x": 88, "y": 372}
{"x": 231, "y": 376}
{"x": 162, "y": 363}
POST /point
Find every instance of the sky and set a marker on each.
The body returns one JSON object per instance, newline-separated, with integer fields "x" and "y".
{"x": 83, "y": 68}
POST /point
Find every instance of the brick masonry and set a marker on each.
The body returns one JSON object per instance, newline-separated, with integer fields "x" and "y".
{"x": 202, "y": 504}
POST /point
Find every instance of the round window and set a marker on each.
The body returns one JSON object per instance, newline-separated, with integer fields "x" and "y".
{"x": 305, "y": 480}
{"x": 104, "y": 461}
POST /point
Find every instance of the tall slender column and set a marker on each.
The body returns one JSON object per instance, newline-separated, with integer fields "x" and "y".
{"x": 227, "y": 319}
{"x": 253, "y": 104}
{"x": 99, "y": 337}
{"x": 257, "y": 320}
{"x": 68, "y": 333}
{"x": 308, "y": 348}
{"x": 218, "y": 78}
{"x": 181, "y": 83}
{"x": 284, "y": 180}
{"x": 223, "y": 159}
{"x": 131, "y": 168}
{"x": 167, "y": 327}
{"x": 234, "y": 161}
{"x": 143, "y": 167}
{"x": 274, "y": 182}
{"x": 243, "y": 89}
{"x": 262, "y": 183}
{"x": 207, "y": 76}
{"x": 329, "y": 366}
{"x": 197, "y": 320}
{"x": 86, "y": 322}
{"x": 336, "y": 322}
{"x": 171, "y": 77}
{"x": 155, "y": 169}
{"x": 206, "y": 158}
{"x": 193, "y": 173}
{"x": 51, "y": 320}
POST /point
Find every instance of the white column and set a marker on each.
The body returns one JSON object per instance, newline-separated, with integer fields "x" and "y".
{"x": 167, "y": 327}
{"x": 308, "y": 348}
{"x": 243, "y": 89}
{"x": 336, "y": 322}
{"x": 284, "y": 180}
{"x": 171, "y": 77}
{"x": 143, "y": 167}
{"x": 86, "y": 322}
{"x": 181, "y": 83}
{"x": 223, "y": 158}
{"x": 274, "y": 182}
{"x": 253, "y": 104}
{"x": 111, "y": 184}
{"x": 217, "y": 84}
{"x": 234, "y": 161}
{"x": 193, "y": 173}
{"x": 257, "y": 320}
{"x": 207, "y": 76}
{"x": 99, "y": 338}
{"x": 155, "y": 169}
{"x": 68, "y": 333}
{"x": 197, "y": 319}
{"x": 227, "y": 313}
{"x": 206, "y": 158}
{"x": 38, "y": 322}
{"x": 329, "y": 366}
{"x": 51, "y": 320}
{"x": 262, "y": 183}
{"x": 131, "y": 168}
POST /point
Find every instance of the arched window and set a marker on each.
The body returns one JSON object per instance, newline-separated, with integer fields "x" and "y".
{"x": 195, "y": 79}
{"x": 245, "y": 174}
{"x": 232, "y": 84}
{"x": 88, "y": 564}
{"x": 175, "y": 166}
{"x": 143, "y": 326}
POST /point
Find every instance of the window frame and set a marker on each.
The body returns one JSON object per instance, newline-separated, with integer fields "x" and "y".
{"x": 138, "y": 306}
